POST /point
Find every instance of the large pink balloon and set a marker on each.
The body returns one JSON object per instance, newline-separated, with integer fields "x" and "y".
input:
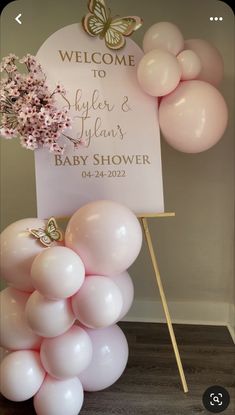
{"x": 106, "y": 235}
{"x": 211, "y": 60}
{"x": 57, "y": 272}
{"x": 190, "y": 64}
{"x": 110, "y": 355}
{"x": 194, "y": 117}
{"x": 59, "y": 397}
{"x": 67, "y": 355}
{"x": 48, "y": 318}
{"x": 18, "y": 250}
{"x": 125, "y": 285}
{"x": 21, "y": 375}
{"x": 158, "y": 72}
{"x": 163, "y": 35}
{"x": 98, "y": 303}
{"x": 15, "y": 333}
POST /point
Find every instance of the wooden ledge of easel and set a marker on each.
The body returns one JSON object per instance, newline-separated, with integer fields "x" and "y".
{"x": 139, "y": 215}
{"x": 155, "y": 215}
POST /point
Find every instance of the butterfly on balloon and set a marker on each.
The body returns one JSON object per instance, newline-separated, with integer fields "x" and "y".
{"x": 50, "y": 234}
{"x": 112, "y": 29}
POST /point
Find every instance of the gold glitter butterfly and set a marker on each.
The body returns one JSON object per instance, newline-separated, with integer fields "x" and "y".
{"x": 100, "y": 23}
{"x": 48, "y": 235}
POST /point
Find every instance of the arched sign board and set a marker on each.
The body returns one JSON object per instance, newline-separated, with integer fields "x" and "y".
{"x": 120, "y": 158}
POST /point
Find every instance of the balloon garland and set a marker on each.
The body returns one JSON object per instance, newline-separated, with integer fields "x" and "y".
{"x": 193, "y": 114}
{"x": 58, "y": 322}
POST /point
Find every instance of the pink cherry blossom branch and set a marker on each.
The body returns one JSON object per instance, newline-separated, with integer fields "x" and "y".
{"x": 28, "y": 109}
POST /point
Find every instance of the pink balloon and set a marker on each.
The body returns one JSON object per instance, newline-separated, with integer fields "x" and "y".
{"x": 57, "y": 272}
{"x": 190, "y": 64}
{"x": 98, "y": 303}
{"x": 125, "y": 285}
{"x": 110, "y": 355}
{"x": 67, "y": 355}
{"x": 194, "y": 117}
{"x": 18, "y": 250}
{"x": 48, "y": 318}
{"x": 158, "y": 72}
{"x": 21, "y": 375}
{"x": 211, "y": 60}
{"x": 15, "y": 333}
{"x": 163, "y": 35}
{"x": 59, "y": 397}
{"x": 106, "y": 235}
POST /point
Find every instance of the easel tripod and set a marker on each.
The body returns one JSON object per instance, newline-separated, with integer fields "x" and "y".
{"x": 143, "y": 220}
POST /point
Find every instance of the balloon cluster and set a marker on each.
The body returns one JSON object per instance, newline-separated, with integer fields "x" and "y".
{"x": 192, "y": 112}
{"x": 58, "y": 322}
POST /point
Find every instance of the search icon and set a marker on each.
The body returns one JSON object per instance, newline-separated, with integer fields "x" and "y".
{"x": 216, "y": 399}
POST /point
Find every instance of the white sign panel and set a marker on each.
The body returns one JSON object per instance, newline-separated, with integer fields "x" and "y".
{"x": 114, "y": 118}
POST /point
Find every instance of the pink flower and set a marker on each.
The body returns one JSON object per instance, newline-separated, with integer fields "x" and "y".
{"x": 7, "y": 132}
{"x": 28, "y": 107}
{"x": 30, "y": 143}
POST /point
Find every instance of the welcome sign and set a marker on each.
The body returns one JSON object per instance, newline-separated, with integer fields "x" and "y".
{"x": 113, "y": 119}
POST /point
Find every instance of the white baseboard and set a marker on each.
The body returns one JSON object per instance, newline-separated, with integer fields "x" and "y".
{"x": 231, "y": 323}
{"x": 183, "y": 312}
{"x": 232, "y": 332}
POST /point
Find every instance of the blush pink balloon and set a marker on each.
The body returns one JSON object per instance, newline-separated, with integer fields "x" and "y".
{"x": 106, "y": 235}
{"x": 125, "y": 285}
{"x": 67, "y": 355}
{"x": 18, "y": 250}
{"x": 194, "y": 117}
{"x": 57, "y": 272}
{"x": 15, "y": 332}
{"x": 212, "y": 70}
{"x": 190, "y": 64}
{"x": 48, "y": 318}
{"x": 59, "y": 397}
{"x": 110, "y": 355}
{"x": 98, "y": 303}
{"x": 21, "y": 375}
{"x": 163, "y": 35}
{"x": 158, "y": 72}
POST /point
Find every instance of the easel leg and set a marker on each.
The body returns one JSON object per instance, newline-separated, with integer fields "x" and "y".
{"x": 164, "y": 303}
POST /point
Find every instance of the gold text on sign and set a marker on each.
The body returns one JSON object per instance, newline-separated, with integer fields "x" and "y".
{"x": 102, "y": 160}
{"x": 96, "y": 58}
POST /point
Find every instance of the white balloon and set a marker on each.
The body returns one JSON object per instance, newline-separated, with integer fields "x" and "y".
{"x": 21, "y": 375}
{"x": 59, "y": 397}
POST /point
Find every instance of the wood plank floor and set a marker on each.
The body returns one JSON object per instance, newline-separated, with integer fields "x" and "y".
{"x": 150, "y": 384}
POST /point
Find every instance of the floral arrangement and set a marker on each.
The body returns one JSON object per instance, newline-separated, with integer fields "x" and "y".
{"x": 28, "y": 108}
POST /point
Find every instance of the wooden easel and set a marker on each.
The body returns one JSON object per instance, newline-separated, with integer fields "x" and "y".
{"x": 143, "y": 220}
